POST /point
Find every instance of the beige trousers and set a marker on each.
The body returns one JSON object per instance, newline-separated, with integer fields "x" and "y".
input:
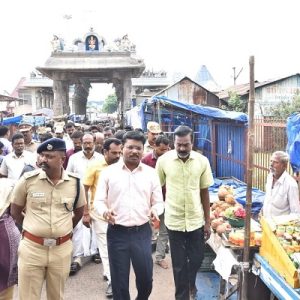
{"x": 7, "y": 294}
{"x": 38, "y": 263}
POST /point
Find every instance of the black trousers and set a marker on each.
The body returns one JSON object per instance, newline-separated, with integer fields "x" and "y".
{"x": 187, "y": 252}
{"x": 125, "y": 245}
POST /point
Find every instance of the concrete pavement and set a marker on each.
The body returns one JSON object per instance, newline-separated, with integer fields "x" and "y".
{"x": 88, "y": 283}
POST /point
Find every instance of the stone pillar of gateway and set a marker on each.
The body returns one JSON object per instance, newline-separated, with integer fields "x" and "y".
{"x": 85, "y": 63}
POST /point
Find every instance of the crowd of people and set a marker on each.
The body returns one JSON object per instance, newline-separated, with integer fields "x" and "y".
{"x": 107, "y": 195}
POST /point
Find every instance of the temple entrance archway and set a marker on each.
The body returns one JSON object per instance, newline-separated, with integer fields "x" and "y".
{"x": 91, "y": 61}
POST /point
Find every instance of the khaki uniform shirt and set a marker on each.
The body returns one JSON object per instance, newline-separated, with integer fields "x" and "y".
{"x": 147, "y": 148}
{"x": 32, "y": 146}
{"x": 45, "y": 204}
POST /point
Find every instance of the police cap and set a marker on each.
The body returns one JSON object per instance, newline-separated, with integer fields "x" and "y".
{"x": 153, "y": 127}
{"x": 53, "y": 144}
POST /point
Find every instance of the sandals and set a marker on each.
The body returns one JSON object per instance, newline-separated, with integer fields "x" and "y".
{"x": 162, "y": 263}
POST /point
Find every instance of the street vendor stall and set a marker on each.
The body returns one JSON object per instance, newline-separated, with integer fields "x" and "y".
{"x": 278, "y": 261}
{"x": 227, "y": 197}
{"x": 274, "y": 255}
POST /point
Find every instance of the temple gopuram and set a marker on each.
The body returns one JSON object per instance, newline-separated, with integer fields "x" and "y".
{"x": 91, "y": 60}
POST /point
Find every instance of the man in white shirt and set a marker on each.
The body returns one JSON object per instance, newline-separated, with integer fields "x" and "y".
{"x": 127, "y": 196}
{"x": 70, "y": 129}
{"x": 4, "y": 133}
{"x": 13, "y": 163}
{"x": 78, "y": 164}
{"x": 282, "y": 193}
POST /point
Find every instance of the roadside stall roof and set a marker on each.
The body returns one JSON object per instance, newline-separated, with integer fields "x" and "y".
{"x": 34, "y": 120}
{"x": 215, "y": 113}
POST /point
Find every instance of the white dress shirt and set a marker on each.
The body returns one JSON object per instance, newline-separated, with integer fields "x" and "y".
{"x": 12, "y": 165}
{"x": 7, "y": 146}
{"x": 130, "y": 194}
{"x": 78, "y": 162}
{"x": 283, "y": 197}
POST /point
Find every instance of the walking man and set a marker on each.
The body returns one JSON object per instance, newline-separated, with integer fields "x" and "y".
{"x": 187, "y": 176}
{"x": 112, "y": 153}
{"x": 53, "y": 201}
{"x": 13, "y": 163}
{"x": 128, "y": 194}
{"x": 26, "y": 130}
{"x": 84, "y": 242}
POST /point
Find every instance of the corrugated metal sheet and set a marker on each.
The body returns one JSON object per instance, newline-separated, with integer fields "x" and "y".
{"x": 243, "y": 89}
{"x": 230, "y": 150}
{"x": 187, "y": 90}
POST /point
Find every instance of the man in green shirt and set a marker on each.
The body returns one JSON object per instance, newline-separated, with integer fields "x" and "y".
{"x": 187, "y": 176}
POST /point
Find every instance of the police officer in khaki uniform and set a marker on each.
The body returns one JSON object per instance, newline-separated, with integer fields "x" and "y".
{"x": 26, "y": 130}
{"x": 51, "y": 212}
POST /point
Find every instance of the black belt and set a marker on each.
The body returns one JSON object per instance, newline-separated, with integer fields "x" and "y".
{"x": 129, "y": 228}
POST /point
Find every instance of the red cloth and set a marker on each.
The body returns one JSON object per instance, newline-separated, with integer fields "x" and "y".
{"x": 150, "y": 160}
{"x": 68, "y": 154}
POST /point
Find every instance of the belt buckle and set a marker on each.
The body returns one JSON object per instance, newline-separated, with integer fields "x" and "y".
{"x": 49, "y": 242}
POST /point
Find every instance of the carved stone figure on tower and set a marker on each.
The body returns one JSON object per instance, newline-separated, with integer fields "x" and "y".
{"x": 57, "y": 44}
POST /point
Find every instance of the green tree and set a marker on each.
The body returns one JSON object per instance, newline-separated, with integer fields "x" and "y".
{"x": 283, "y": 109}
{"x": 110, "y": 104}
{"x": 235, "y": 103}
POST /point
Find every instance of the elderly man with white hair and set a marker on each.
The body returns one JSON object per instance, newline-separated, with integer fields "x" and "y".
{"x": 282, "y": 193}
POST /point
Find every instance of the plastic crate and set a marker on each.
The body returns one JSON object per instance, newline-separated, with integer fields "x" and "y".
{"x": 276, "y": 256}
{"x": 207, "y": 263}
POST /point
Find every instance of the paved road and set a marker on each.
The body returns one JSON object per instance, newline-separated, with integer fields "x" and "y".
{"x": 88, "y": 284}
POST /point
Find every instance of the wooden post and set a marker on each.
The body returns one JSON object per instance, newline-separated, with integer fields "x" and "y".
{"x": 250, "y": 148}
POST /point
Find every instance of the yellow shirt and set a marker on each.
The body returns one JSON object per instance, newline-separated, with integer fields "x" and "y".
{"x": 183, "y": 207}
{"x": 45, "y": 204}
{"x": 90, "y": 179}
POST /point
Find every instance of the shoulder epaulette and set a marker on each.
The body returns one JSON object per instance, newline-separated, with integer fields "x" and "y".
{"x": 31, "y": 173}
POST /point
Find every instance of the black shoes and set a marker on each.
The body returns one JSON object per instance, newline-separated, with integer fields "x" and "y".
{"x": 75, "y": 267}
{"x": 96, "y": 258}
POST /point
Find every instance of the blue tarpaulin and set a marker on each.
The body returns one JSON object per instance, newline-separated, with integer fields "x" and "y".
{"x": 204, "y": 110}
{"x": 293, "y": 135}
{"x": 11, "y": 120}
{"x": 34, "y": 120}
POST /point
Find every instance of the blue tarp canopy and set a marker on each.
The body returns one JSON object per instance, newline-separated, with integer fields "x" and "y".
{"x": 11, "y": 120}
{"x": 203, "y": 110}
{"x": 34, "y": 120}
{"x": 293, "y": 146}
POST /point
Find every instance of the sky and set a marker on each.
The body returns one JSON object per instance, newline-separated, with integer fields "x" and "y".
{"x": 176, "y": 36}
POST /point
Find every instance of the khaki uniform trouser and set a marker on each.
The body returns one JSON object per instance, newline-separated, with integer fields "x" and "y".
{"x": 7, "y": 294}
{"x": 38, "y": 263}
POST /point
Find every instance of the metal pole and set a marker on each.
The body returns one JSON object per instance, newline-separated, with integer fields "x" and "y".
{"x": 250, "y": 148}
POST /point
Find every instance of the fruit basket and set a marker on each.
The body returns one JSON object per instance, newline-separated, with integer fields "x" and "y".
{"x": 273, "y": 250}
{"x": 236, "y": 222}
